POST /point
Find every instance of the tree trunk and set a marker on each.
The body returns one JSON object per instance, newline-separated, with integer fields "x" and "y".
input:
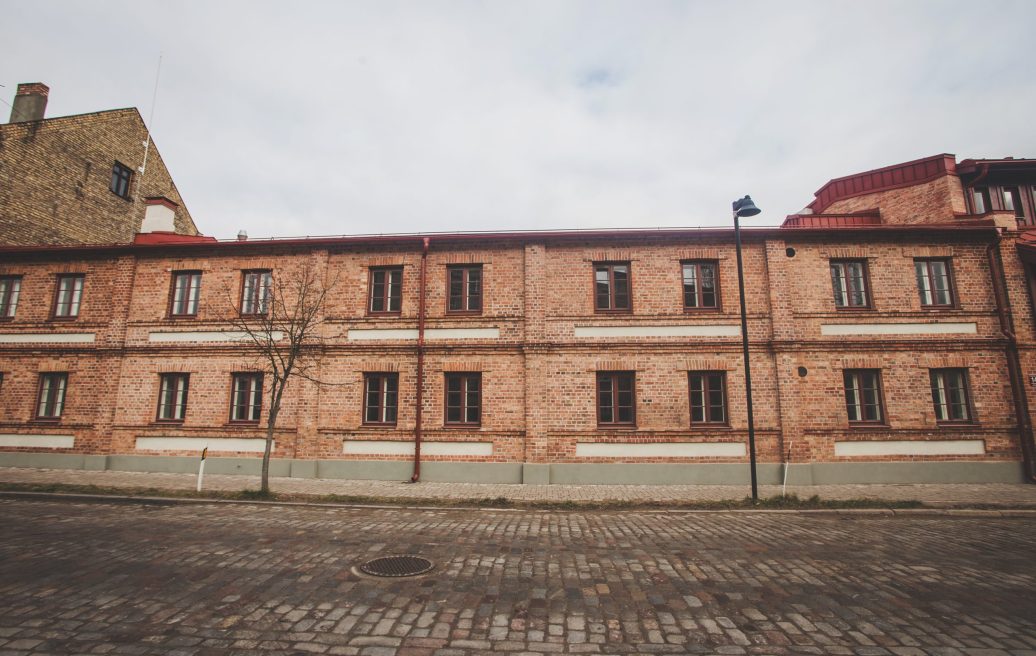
{"x": 271, "y": 423}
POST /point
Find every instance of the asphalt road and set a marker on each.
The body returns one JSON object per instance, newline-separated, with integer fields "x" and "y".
{"x": 215, "y": 579}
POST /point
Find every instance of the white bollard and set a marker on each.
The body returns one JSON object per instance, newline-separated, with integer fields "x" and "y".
{"x": 201, "y": 467}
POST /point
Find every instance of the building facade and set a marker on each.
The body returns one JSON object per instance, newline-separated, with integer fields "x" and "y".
{"x": 78, "y": 179}
{"x": 890, "y": 327}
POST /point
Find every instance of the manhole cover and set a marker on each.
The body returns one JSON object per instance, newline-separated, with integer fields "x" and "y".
{"x": 397, "y": 566}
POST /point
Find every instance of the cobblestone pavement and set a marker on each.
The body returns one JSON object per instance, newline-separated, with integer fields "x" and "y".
{"x": 1002, "y": 494}
{"x": 182, "y": 579}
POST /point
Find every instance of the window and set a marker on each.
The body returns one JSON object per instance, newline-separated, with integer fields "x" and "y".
{"x": 934, "y": 282}
{"x": 381, "y": 398}
{"x": 708, "y": 397}
{"x": 256, "y": 292}
{"x": 386, "y": 290}
{"x": 980, "y": 199}
{"x": 172, "y": 397}
{"x": 51, "y": 399}
{"x": 68, "y": 296}
{"x": 246, "y": 402}
{"x": 465, "y": 288}
{"x": 616, "y": 398}
{"x": 121, "y": 175}
{"x": 700, "y": 288}
{"x": 10, "y": 286}
{"x": 950, "y": 395}
{"x": 184, "y": 298}
{"x": 1013, "y": 202}
{"x": 849, "y": 281}
{"x": 464, "y": 398}
{"x": 863, "y": 396}
{"x": 612, "y": 287}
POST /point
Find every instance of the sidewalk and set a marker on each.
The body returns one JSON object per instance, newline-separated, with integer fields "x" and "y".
{"x": 1013, "y": 495}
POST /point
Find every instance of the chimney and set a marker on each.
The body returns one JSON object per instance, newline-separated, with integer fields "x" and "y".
{"x": 242, "y": 235}
{"x": 159, "y": 215}
{"x": 30, "y": 102}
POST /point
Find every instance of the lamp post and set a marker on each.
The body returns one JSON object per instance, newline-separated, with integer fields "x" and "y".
{"x": 745, "y": 207}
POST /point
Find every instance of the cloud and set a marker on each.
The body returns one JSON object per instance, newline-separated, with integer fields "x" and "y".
{"x": 331, "y": 118}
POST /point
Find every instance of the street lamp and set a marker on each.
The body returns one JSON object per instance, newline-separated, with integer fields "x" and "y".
{"x": 745, "y": 207}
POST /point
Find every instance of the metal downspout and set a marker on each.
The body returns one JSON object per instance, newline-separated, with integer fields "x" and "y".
{"x": 419, "y": 396}
{"x": 1014, "y": 365}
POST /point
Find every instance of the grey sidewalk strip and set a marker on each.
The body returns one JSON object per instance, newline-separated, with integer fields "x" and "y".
{"x": 816, "y": 512}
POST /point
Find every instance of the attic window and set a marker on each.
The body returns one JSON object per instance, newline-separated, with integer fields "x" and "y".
{"x": 121, "y": 176}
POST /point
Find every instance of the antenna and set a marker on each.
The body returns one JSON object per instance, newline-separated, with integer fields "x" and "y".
{"x": 151, "y": 116}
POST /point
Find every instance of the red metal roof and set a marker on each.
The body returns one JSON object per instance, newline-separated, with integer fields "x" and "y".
{"x": 883, "y": 179}
{"x": 170, "y": 238}
{"x": 167, "y": 241}
{"x": 855, "y": 219}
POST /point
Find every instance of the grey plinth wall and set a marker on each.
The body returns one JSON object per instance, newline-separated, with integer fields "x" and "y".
{"x": 829, "y": 473}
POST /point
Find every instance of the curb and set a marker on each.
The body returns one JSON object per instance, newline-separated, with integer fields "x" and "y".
{"x": 815, "y": 512}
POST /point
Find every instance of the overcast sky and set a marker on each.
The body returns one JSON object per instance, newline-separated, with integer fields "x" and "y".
{"x": 306, "y": 118}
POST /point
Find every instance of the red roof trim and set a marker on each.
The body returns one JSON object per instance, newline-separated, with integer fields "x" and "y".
{"x": 905, "y": 174}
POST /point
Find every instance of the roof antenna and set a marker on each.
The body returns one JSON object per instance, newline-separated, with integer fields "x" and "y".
{"x": 151, "y": 117}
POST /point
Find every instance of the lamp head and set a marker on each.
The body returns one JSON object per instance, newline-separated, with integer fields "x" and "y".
{"x": 745, "y": 207}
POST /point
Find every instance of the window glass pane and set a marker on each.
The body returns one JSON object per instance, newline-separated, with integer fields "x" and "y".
{"x": 456, "y": 289}
{"x": 940, "y": 282}
{"x": 395, "y": 294}
{"x": 690, "y": 285}
{"x": 603, "y": 286}
{"x": 620, "y": 274}
{"x": 708, "y": 285}
{"x": 857, "y": 287}
{"x": 980, "y": 203}
{"x": 1008, "y": 198}
{"x": 474, "y": 289}
{"x": 838, "y": 284}
{"x": 924, "y": 286}
{"x": 377, "y": 291}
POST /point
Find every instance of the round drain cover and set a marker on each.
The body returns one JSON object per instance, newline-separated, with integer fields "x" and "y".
{"x": 406, "y": 565}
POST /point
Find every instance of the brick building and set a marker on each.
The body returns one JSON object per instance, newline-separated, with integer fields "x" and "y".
{"x": 891, "y": 331}
{"x": 78, "y": 179}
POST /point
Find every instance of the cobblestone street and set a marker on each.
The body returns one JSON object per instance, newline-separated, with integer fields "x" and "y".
{"x": 214, "y": 579}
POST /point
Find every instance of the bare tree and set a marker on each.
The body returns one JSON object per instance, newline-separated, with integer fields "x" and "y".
{"x": 280, "y": 316}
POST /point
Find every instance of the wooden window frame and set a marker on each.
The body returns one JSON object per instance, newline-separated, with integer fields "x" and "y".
{"x": 386, "y": 296}
{"x": 698, "y": 264}
{"x": 193, "y": 275}
{"x": 868, "y": 296}
{"x": 465, "y": 377}
{"x": 8, "y": 311}
{"x": 52, "y": 375}
{"x": 118, "y": 169}
{"x": 610, "y": 266}
{"x": 465, "y": 296}
{"x": 983, "y": 194}
{"x": 613, "y": 377}
{"x": 707, "y": 422}
{"x": 57, "y": 296}
{"x": 950, "y": 281}
{"x": 966, "y": 389}
{"x": 857, "y": 374}
{"x": 250, "y": 375}
{"x": 245, "y": 273}
{"x": 162, "y": 379}
{"x": 1014, "y": 195}
{"x": 383, "y": 377}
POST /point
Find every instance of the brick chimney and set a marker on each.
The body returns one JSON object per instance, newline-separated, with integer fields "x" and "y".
{"x": 30, "y": 102}
{"x": 159, "y": 215}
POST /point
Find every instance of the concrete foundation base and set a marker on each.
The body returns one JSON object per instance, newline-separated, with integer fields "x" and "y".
{"x": 819, "y": 473}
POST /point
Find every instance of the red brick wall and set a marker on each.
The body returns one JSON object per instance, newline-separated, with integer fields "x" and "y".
{"x": 538, "y": 378}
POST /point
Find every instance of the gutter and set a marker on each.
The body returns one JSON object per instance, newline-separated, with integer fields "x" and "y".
{"x": 1014, "y": 365}
{"x": 419, "y": 396}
